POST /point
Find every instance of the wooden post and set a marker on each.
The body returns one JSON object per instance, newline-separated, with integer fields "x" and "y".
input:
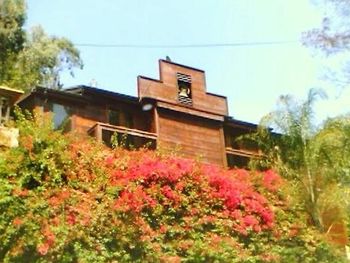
{"x": 99, "y": 132}
{"x": 222, "y": 139}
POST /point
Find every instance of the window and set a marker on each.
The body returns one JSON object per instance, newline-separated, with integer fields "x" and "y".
{"x": 61, "y": 115}
{"x": 184, "y": 88}
{"x": 120, "y": 118}
{"x": 128, "y": 120}
{"x": 237, "y": 161}
{"x": 114, "y": 117}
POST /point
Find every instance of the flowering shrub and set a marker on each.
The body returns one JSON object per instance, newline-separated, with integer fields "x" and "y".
{"x": 190, "y": 190}
{"x": 64, "y": 198}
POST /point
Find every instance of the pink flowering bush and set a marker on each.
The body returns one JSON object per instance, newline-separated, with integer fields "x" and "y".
{"x": 64, "y": 198}
{"x": 167, "y": 190}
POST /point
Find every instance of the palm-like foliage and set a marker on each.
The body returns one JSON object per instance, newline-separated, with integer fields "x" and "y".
{"x": 316, "y": 160}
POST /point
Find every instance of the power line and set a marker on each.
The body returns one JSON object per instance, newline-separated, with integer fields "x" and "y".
{"x": 213, "y": 45}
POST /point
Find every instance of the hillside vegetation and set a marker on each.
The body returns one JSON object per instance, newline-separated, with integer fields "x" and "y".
{"x": 67, "y": 198}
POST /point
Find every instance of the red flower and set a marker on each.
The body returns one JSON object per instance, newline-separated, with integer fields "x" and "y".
{"x": 49, "y": 235}
{"x": 170, "y": 194}
{"x": 257, "y": 228}
{"x": 162, "y": 229}
{"x": 250, "y": 221}
{"x": 55, "y": 221}
{"x": 20, "y": 192}
{"x": 109, "y": 160}
{"x": 271, "y": 180}
{"x": 17, "y": 221}
{"x": 71, "y": 218}
{"x": 54, "y": 201}
{"x": 134, "y": 200}
{"x": 59, "y": 198}
{"x": 43, "y": 249}
{"x": 180, "y": 186}
{"x": 237, "y": 214}
{"x": 242, "y": 175}
{"x": 147, "y": 179}
{"x": 268, "y": 217}
{"x": 64, "y": 194}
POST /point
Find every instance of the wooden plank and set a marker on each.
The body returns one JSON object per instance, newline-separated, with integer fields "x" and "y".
{"x": 104, "y": 126}
{"x": 189, "y": 110}
{"x": 240, "y": 152}
{"x": 127, "y": 130}
{"x": 195, "y": 136}
{"x": 222, "y": 140}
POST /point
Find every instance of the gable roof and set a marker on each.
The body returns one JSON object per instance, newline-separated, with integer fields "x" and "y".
{"x": 79, "y": 93}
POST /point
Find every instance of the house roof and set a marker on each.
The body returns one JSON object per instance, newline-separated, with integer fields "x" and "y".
{"x": 234, "y": 122}
{"x": 12, "y": 94}
{"x": 79, "y": 93}
{"x": 85, "y": 90}
{"x": 43, "y": 91}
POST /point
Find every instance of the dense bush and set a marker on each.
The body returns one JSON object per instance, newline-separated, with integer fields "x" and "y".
{"x": 64, "y": 198}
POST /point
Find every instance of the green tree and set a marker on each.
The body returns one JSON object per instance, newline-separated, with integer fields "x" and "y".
{"x": 333, "y": 146}
{"x": 315, "y": 160}
{"x": 12, "y": 35}
{"x": 29, "y": 58}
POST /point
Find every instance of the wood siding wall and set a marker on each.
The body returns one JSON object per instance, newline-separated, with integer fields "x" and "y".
{"x": 194, "y": 124}
{"x": 166, "y": 89}
{"x": 194, "y": 136}
{"x": 86, "y": 115}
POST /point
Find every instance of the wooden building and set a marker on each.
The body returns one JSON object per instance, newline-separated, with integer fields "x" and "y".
{"x": 174, "y": 112}
{"x": 8, "y": 135}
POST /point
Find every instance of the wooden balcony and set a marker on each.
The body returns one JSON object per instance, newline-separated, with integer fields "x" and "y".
{"x": 129, "y": 138}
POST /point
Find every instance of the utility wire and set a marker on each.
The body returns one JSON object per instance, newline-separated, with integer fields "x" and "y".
{"x": 214, "y": 45}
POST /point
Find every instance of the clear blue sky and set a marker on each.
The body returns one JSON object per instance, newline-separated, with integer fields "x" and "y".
{"x": 252, "y": 77}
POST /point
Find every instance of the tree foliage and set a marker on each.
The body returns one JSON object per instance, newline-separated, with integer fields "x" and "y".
{"x": 29, "y": 58}
{"x": 315, "y": 160}
{"x": 64, "y": 198}
{"x": 12, "y": 35}
{"x": 334, "y": 33}
{"x": 332, "y": 39}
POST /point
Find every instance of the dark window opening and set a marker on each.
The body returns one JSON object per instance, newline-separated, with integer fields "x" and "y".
{"x": 126, "y": 141}
{"x": 120, "y": 118}
{"x": 128, "y": 120}
{"x": 241, "y": 143}
{"x": 114, "y": 117}
{"x": 184, "y": 88}
{"x": 237, "y": 161}
{"x": 239, "y": 139}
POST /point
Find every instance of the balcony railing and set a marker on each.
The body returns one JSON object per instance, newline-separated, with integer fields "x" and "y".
{"x": 240, "y": 157}
{"x": 129, "y": 138}
{"x": 243, "y": 153}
